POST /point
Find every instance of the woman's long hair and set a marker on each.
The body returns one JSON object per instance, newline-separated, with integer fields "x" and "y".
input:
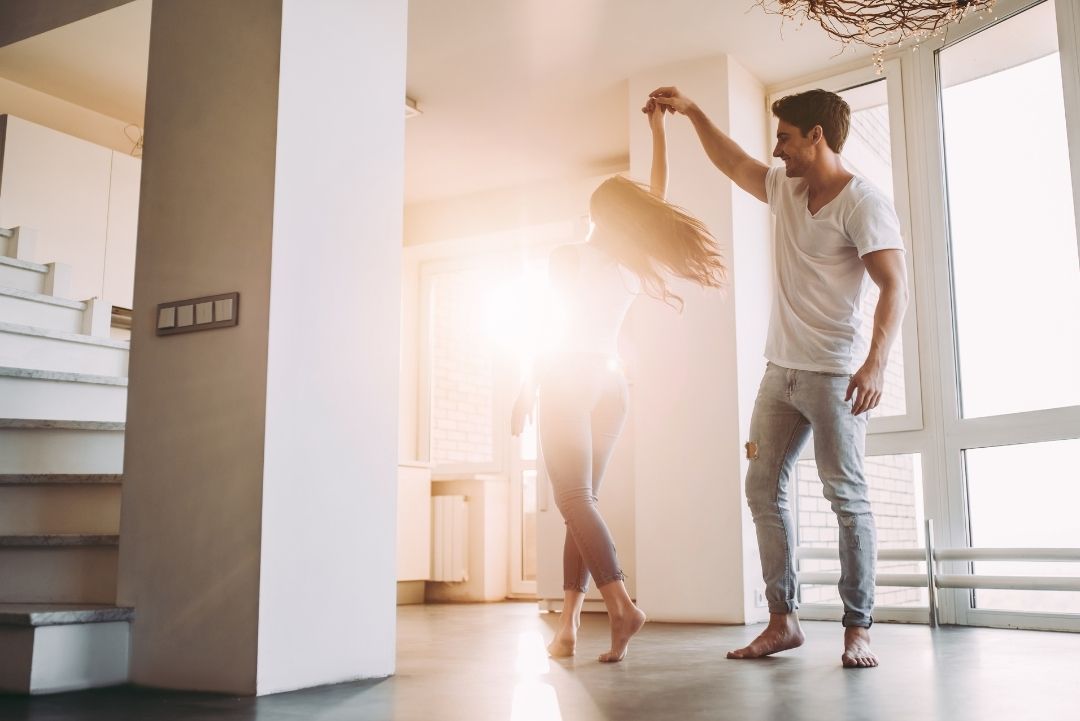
{"x": 649, "y": 235}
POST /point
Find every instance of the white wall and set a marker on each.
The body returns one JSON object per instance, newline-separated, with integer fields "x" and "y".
{"x": 751, "y": 293}
{"x": 81, "y": 198}
{"x": 328, "y": 579}
{"x": 690, "y": 400}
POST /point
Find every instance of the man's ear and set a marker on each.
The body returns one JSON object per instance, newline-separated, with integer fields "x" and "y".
{"x": 816, "y": 133}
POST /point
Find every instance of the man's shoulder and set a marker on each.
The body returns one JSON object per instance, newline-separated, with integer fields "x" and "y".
{"x": 861, "y": 189}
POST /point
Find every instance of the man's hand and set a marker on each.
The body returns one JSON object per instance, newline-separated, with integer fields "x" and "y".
{"x": 866, "y": 385}
{"x": 670, "y": 97}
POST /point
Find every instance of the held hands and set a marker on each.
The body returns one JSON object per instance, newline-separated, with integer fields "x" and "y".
{"x": 866, "y": 385}
{"x": 523, "y": 411}
{"x": 671, "y": 99}
{"x": 657, "y": 114}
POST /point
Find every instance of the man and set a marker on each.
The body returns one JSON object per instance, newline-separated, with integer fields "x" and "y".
{"x": 832, "y": 230}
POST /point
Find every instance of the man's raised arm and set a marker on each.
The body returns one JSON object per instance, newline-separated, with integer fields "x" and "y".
{"x": 725, "y": 153}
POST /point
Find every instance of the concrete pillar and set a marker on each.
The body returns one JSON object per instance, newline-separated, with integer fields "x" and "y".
{"x": 257, "y": 534}
{"x": 696, "y": 374}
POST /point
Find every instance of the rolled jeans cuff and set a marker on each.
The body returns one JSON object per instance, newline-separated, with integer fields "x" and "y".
{"x": 784, "y": 607}
{"x": 857, "y": 620}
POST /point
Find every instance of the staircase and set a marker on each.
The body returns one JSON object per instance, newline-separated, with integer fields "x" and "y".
{"x": 63, "y": 397}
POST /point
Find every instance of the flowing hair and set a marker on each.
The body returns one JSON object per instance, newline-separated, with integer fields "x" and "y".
{"x": 649, "y": 235}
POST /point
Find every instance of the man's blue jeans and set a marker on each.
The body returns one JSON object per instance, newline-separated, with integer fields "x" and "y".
{"x": 791, "y": 403}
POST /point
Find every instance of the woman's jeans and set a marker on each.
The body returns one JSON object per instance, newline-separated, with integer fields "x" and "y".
{"x": 583, "y": 403}
{"x": 791, "y": 403}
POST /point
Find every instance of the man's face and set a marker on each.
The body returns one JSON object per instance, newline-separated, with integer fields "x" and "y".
{"x": 796, "y": 150}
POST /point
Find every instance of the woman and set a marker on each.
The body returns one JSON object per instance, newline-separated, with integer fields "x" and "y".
{"x": 636, "y": 237}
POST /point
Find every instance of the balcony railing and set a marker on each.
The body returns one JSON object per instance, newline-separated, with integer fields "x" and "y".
{"x": 934, "y": 580}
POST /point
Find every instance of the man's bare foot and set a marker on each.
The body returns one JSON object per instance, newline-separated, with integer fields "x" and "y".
{"x": 857, "y": 653}
{"x": 623, "y": 629}
{"x": 783, "y": 633}
{"x": 564, "y": 643}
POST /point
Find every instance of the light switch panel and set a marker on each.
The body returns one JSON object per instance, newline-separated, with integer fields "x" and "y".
{"x": 166, "y": 317}
{"x": 204, "y": 312}
{"x": 223, "y": 309}
{"x": 185, "y": 316}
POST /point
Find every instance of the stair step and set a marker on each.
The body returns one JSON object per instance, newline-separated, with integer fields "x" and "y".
{"x": 42, "y": 298}
{"x": 23, "y": 264}
{"x": 36, "y": 615}
{"x": 41, "y": 311}
{"x": 34, "y": 446}
{"x": 62, "y": 376}
{"x": 23, "y": 274}
{"x": 58, "y": 573}
{"x": 50, "y": 647}
{"x": 39, "y": 424}
{"x": 16, "y": 329}
{"x": 61, "y": 479}
{"x": 23, "y": 346}
{"x": 59, "y": 508}
{"x": 58, "y": 540}
{"x": 32, "y": 393}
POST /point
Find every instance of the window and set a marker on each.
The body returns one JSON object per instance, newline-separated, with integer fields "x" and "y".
{"x": 1012, "y": 233}
{"x": 1025, "y": 496}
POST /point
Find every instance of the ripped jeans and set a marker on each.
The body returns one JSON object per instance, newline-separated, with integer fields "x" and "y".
{"x": 791, "y": 403}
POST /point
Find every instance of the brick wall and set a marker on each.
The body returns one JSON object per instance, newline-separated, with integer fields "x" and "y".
{"x": 462, "y": 393}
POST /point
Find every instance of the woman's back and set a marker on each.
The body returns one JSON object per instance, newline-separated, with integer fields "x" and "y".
{"x": 595, "y": 292}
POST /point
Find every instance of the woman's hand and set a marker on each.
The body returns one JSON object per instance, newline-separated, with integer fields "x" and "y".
{"x": 657, "y": 115}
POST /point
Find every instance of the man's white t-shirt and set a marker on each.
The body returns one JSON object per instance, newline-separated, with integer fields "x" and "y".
{"x": 820, "y": 276}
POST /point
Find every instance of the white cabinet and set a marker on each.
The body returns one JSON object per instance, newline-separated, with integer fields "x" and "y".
{"x": 414, "y": 522}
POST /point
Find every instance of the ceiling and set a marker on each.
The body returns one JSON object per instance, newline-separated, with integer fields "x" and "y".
{"x": 512, "y": 91}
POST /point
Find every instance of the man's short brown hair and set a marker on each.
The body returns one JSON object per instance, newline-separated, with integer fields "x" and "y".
{"x": 816, "y": 107}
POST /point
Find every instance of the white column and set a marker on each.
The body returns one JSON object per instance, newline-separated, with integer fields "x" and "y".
{"x": 696, "y": 374}
{"x": 257, "y": 538}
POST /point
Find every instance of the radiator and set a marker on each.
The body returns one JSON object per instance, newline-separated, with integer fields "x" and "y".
{"x": 449, "y": 538}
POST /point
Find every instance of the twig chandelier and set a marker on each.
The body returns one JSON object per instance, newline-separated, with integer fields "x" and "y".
{"x": 879, "y": 24}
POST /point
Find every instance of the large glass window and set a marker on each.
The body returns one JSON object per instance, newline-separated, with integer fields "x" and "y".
{"x": 1016, "y": 277}
{"x": 1025, "y": 496}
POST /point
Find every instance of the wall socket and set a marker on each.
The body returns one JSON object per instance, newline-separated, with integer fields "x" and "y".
{"x": 759, "y": 598}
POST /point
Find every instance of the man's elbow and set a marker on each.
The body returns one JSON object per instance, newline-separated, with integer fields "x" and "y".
{"x": 897, "y": 289}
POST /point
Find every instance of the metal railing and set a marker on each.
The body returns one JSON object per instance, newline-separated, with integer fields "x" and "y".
{"x": 933, "y": 580}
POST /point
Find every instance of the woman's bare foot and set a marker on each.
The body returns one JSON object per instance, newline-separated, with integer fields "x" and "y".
{"x": 564, "y": 643}
{"x": 623, "y": 629}
{"x": 783, "y": 633}
{"x": 857, "y": 653}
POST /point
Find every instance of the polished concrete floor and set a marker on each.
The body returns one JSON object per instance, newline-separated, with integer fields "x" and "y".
{"x": 480, "y": 662}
